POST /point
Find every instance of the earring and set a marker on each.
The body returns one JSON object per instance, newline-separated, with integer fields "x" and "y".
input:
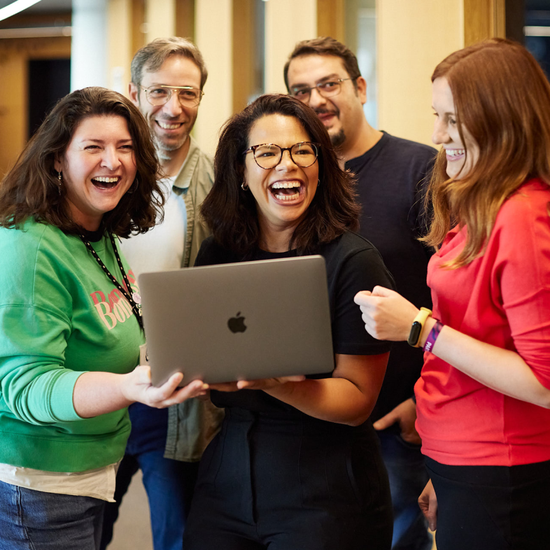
{"x": 319, "y": 182}
{"x": 244, "y": 186}
{"x": 60, "y": 180}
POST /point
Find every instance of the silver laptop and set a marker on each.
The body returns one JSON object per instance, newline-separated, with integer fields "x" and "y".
{"x": 241, "y": 321}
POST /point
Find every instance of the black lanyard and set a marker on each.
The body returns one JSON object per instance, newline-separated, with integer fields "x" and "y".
{"x": 134, "y": 299}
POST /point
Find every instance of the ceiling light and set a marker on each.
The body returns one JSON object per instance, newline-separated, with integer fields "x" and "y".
{"x": 16, "y": 7}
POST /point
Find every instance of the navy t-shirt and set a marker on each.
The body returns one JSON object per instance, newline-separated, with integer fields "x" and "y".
{"x": 392, "y": 178}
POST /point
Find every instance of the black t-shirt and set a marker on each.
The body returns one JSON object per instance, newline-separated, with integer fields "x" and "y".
{"x": 353, "y": 264}
{"x": 392, "y": 177}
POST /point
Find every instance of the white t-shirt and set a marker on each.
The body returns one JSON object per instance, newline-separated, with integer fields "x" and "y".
{"x": 162, "y": 247}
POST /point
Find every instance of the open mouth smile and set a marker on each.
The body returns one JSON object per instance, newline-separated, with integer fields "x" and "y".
{"x": 454, "y": 154}
{"x": 105, "y": 182}
{"x": 287, "y": 190}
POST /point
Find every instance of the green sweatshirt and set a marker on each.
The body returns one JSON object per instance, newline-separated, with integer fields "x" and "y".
{"x": 60, "y": 316}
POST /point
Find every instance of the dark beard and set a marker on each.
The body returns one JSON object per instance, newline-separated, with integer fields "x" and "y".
{"x": 338, "y": 139}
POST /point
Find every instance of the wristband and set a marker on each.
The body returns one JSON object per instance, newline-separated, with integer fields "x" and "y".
{"x": 432, "y": 337}
{"x": 417, "y": 326}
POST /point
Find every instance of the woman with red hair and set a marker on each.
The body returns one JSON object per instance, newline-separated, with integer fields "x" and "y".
{"x": 483, "y": 399}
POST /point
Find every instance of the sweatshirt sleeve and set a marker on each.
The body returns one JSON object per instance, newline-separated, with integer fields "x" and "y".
{"x": 35, "y": 325}
{"x": 34, "y": 384}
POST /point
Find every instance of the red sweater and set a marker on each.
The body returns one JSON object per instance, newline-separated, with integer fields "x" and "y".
{"x": 502, "y": 298}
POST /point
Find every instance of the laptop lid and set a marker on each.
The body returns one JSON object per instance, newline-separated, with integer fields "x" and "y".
{"x": 240, "y": 321}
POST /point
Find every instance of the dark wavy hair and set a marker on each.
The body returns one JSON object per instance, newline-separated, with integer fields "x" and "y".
{"x": 31, "y": 187}
{"x": 231, "y": 212}
{"x": 502, "y": 97}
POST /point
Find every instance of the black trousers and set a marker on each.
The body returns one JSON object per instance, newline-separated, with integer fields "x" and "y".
{"x": 492, "y": 507}
{"x": 288, "y": 484}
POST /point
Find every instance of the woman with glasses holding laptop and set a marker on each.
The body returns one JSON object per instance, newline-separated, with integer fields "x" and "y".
{"x": 297, "y": 463}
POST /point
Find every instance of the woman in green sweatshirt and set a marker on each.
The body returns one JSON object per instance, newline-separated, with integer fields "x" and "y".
{"x": 70, "y": 320}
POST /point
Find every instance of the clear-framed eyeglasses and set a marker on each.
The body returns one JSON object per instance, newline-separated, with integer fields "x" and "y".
{"x": 327, "y": 89}
{"x": 269, "y": 155}
{"x": 160, "y": 95}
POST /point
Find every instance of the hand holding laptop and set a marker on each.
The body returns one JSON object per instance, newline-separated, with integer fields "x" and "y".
{"x": 262, "y": 384}
{"x": 138, "y": 388}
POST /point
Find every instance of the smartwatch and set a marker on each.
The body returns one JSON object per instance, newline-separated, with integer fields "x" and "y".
{"x": 417, "y": 326}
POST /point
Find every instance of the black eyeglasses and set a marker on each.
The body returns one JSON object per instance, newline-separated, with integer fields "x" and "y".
{"x": 160, "y": 95}
{"x": 269, "y": 155}
{"x": 326, "y": 89}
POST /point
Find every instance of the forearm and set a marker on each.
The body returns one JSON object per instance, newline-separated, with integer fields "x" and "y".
{"x": 348, "y": 397}
{"x": 331, "y": 399}
{"x": 97, "y": 393}
{"x": 500, "y": 369}
{"x": 389, "y": 316}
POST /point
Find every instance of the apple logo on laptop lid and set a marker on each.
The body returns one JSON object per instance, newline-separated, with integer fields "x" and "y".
{"x": 236, "y": 324}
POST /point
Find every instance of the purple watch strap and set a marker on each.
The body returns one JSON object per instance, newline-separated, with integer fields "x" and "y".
{"x": 432, "y": 337}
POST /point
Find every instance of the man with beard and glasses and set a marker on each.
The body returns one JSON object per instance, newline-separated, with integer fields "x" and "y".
{"x": 391, "y": 174}
{"x": 168, "y": 76}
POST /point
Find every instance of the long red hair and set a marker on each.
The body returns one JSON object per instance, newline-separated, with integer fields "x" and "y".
{"x": 502, "y": 97}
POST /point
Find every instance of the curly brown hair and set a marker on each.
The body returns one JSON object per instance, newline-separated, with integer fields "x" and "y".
{"x": 30, "y": 189}
{"x": 232, "y": 215}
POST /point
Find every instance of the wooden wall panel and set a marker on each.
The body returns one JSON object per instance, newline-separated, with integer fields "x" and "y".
{"x": 484, "y": 19}
{"x": 331, "y": 19}
{"x": 185, "y": 19}
{"x": 243, "y": 49}
{"x": 14, "y": 58}
{"x": 137, "y": 22}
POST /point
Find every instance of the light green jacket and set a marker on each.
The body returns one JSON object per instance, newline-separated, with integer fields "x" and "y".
{"x": 193, "y": 424}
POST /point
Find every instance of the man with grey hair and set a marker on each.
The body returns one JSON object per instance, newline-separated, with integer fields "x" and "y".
{"x": 168, "y": 76}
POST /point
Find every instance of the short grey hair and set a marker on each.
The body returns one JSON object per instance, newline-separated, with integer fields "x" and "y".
{"x": 153, "y": 55}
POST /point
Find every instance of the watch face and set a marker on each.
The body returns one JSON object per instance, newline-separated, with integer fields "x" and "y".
{"x": 414, "y": 335}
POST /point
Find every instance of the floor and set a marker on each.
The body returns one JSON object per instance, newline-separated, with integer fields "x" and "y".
{"x": 133, "y": 528}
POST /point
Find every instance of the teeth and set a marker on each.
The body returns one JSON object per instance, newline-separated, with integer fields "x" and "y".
{"x": 106, "y": 179}
{"x": 166, "y": 126}
{"x": 285, "y": 185}
{"x": 287, "y": 197}
{"x": 454, "y": 152}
